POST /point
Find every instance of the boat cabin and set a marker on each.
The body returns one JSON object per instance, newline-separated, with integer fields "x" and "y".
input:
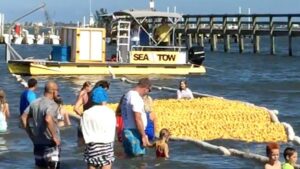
{"x": 81, "y": 45}
{"x": 148, "y": 37}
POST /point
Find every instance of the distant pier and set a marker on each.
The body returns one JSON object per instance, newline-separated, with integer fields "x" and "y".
{"x": 1, "y": 28}
{"x": 194, "y": 28}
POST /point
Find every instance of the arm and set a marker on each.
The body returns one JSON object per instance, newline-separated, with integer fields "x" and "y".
{"x": 6, "y": 111}
{"x": 191, "y": 94}
{"x": 138, "y": 109}
{"x": 140, "y": 128}
{"x": 152, "y": 145}
{"x": 154, "y": 119}
{"x": 51, "y": 127}
{"x": 166, "y": 150}
{"x": 25, "y": 121}
{"x": 178, "y": 94}
{"x": 267, "y": 166}
{"x": 118, "y": 110}
{"x": 77, "y": 106}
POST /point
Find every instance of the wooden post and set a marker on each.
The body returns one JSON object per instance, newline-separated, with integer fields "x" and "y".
{"x": 256, "y": 43}
{"x": 2, "y": 39}
{"x": 290, "y": 46}
{"x": 186, "y": 23}
{"x": 241, "y": 43}
{"x": 272, "y": 41}
{"x": 225, "y": 36}
{"x": 255, "y": 37}
{"x": 240, "y": 36}
{"x": 227, "y": 42}
{"x": 199, "y": 37}
{"x": 190, "y": 40}
{"x": 272, "y": 38}
{"x": 290, "y": 27}
{"x": 201, "y": 41}
{"x": 215, "y": 41}
{"x": 213, "y": 46}
{"x": 196, "y": 38}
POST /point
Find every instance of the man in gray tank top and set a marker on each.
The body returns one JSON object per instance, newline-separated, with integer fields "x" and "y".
{"x": 40, "y": 123}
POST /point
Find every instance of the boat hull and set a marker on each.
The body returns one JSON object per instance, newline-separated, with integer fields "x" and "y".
{"x": 35, "y": 67}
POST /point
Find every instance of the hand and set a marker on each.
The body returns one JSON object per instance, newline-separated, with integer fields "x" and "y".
{"x": 79, "y": 114}
{"x": 56, "y": 141}
{"x": 145, "y": 141}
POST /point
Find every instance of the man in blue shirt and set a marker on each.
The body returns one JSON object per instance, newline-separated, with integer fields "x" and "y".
{"x": 28, "y": 95}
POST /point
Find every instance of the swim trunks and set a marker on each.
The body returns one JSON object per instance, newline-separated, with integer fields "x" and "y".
{"x": 132, "y": 142}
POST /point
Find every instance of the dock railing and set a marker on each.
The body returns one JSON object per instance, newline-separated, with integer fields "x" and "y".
{"x": 195, "y": 28}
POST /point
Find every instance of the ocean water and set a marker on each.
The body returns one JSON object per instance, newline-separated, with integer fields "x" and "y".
{"x": 262, "y": 79}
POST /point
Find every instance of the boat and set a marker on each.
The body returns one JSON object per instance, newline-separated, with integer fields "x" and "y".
{"x": 83, "y": 52}
{"x": 17, "y": 34}
{"x": 28, "y": 38}
{"x": 40, "y": 39}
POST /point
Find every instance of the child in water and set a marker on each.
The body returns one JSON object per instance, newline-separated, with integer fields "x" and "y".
{"x": 290, "y": 156}
{"x": 272, "y": 151}
{"x": 161, "y": 145}
{"x": 63, "y": 116}
{"x": 4, "y": 111}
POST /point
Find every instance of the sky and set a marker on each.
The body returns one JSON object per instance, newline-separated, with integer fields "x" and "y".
{"x": 75, "y": 10}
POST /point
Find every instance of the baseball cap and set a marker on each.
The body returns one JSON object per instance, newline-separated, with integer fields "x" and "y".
{"x": 99, "y": 95}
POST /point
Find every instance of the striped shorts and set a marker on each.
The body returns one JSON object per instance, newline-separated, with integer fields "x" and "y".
{"x": 99, "y": 154}
{"x": 47, "y": 156}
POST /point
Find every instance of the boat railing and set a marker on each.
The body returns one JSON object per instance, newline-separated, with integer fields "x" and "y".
{"x": 12, "y": 53}
{"x": 158, "y": 48}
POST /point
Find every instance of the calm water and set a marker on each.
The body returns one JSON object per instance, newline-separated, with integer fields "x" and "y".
{"x": 262, "y": 79}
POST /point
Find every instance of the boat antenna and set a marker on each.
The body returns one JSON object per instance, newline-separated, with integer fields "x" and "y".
{"x": 152, "y": 5}
{"x": 91, "y": 21}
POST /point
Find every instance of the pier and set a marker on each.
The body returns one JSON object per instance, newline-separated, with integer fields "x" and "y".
{"x": 194, "y": 28}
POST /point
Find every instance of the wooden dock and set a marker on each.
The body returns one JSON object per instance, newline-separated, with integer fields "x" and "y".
{"x": 194, "y": 28}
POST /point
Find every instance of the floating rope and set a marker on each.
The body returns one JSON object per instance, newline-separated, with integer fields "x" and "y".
{"x": 20, "y": 80}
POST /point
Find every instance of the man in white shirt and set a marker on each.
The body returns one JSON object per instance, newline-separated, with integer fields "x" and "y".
{"x": 98, "y": 128}
{"x": 134, "y": 117}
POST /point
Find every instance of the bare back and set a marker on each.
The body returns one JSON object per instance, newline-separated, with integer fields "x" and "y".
{"x": 4, "y": 108}
{"x": 162, "y": 148}
{"x": 276, "y": 165}
{"x": 82, "y": 100}
{"x": 84, "y": 96}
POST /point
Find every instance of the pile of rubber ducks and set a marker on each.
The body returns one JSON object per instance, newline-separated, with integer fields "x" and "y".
{"x": 212, "y": 118}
